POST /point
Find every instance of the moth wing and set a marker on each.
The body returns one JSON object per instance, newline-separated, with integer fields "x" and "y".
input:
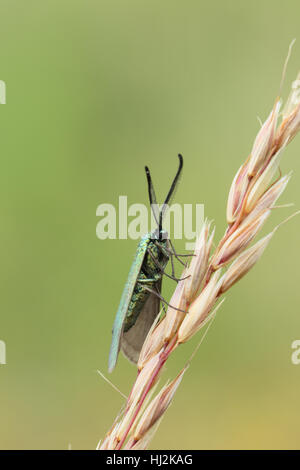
{"x": 124, "y": 304}
{"x": 133, "y": 340}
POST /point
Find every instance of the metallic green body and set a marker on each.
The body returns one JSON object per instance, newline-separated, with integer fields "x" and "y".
{"x": 144, "y": 273}
{"x": 148, "y": 277}
{"x": 140, "y": 301}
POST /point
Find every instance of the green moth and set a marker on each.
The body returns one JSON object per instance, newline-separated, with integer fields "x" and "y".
{"x": 140, "y": 301}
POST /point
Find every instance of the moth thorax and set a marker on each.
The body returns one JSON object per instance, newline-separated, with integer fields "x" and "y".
{"x": 160, "y": 235}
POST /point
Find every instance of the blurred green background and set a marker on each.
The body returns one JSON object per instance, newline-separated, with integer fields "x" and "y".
{"x": 96, "y": 90}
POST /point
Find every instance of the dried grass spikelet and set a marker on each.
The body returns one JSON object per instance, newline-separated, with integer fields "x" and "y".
{"x": 136, "y": 394}
{"x": 242, "y": 265}
{"x": 174, "y": 317}
{"x": 291, "y": 126}
{"x": 110, "y": 441}
{"x": 268, "y": 199}
{"x": 199, "y": 309}
{"x": 157, "y": 407}
{"x": 237, "y": 192}
{"x": 264, "y": 141}
{"x": 142, "y": 443}
{"x": 239, "y": 240}
{"x": 153, "y": 344}
{"x": 291, "y": 115}
{"x": 293, "y": 99}
{"x": 142, "y": 380}
{"x": 184, "y": 294}
{"x": 263, "y": 181}
{"x": 187, "y": 290}
{"x": 199, "y": 263}
{"x": 125, "y": 422}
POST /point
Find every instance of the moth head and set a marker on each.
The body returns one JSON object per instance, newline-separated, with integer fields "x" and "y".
{"x": 160, "y": 235}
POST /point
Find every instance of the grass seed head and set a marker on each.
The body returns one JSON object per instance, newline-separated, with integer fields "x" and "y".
{"x": 264, "y": 141}
{"x": 244, "y": 263}
{"x": 199, "y": 309}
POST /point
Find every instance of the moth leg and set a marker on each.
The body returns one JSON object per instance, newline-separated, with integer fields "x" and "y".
{"x": 163, "y": 305}
{"x": 173, "y": 269}
{"x": 158, "y": 292}
{"x": 151, "y": 280}
{"x": 162, "y": 269}
{"x": 167, "y": 251}
{"x": 172, "y": 264}
{"x": 163, "y": 300}
{"x": 179, "y": 254}
{"x": 147, "y": 280}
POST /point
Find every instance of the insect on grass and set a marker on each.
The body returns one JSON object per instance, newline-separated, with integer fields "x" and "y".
{"x": 140, "y": 301}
